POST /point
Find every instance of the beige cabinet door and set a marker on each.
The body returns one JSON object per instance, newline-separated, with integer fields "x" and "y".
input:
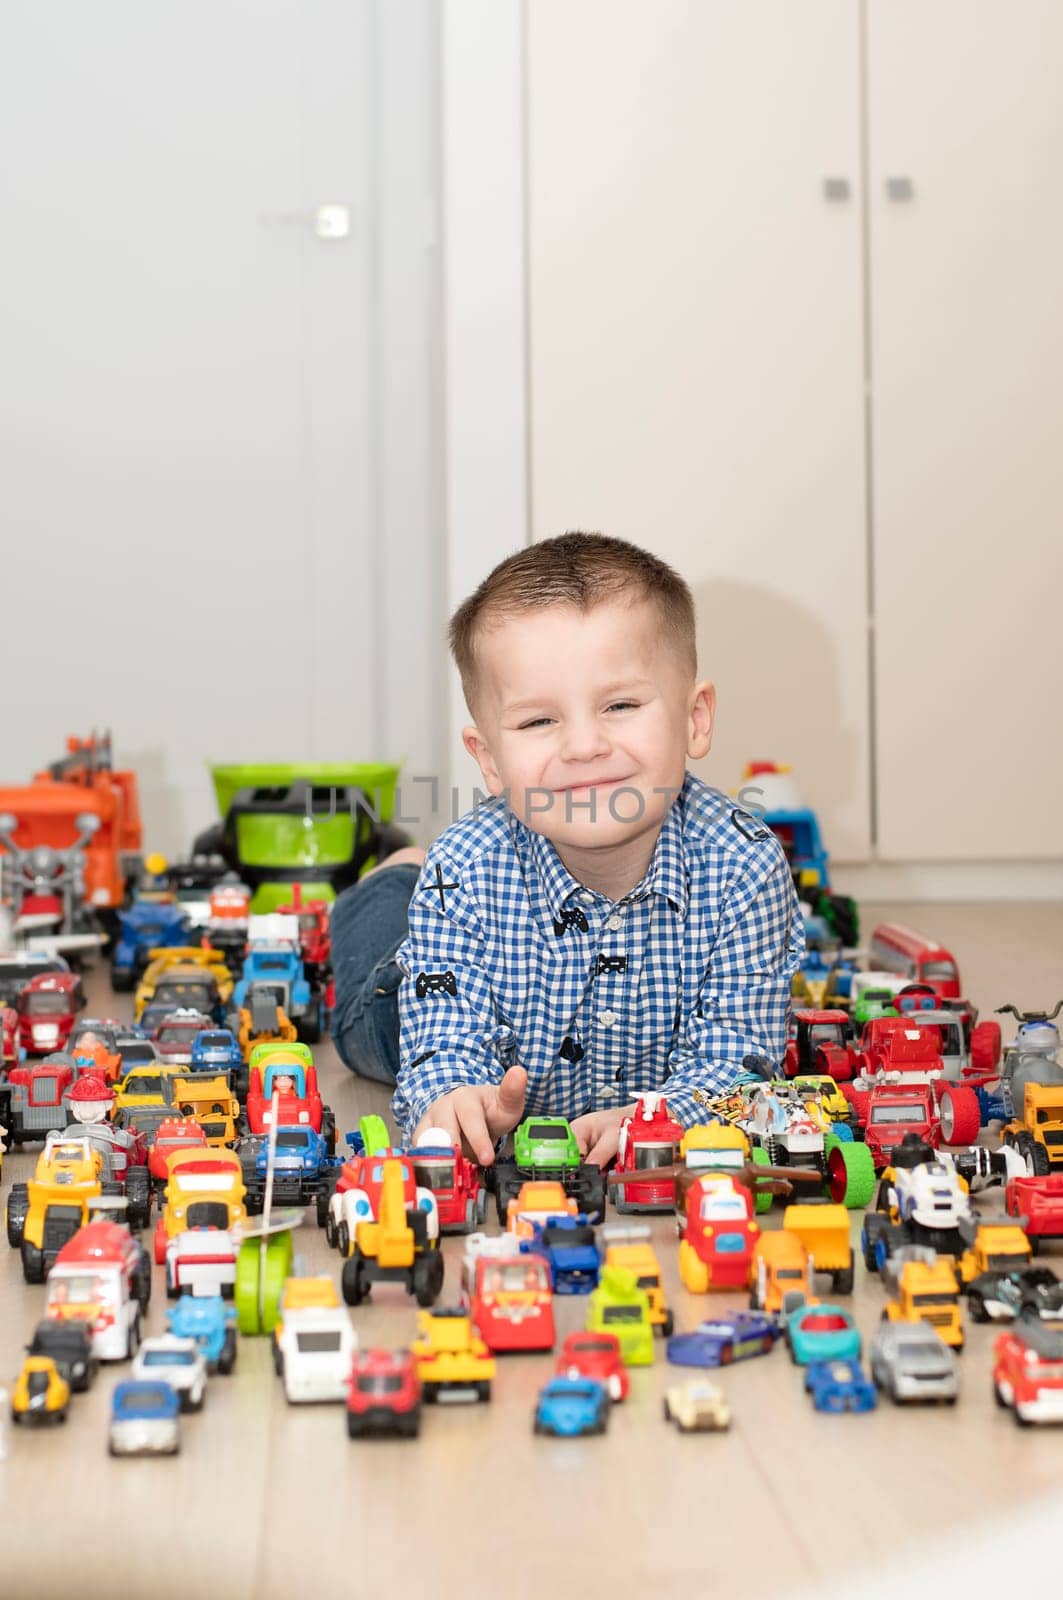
{"x": 966, "y": 225}
{"x": 696, "y": 361}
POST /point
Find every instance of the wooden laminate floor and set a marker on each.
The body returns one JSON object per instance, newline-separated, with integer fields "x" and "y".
{"x": 268, "y": 1500}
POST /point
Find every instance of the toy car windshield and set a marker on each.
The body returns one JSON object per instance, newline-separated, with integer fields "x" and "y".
{"x": 36, "y": 1004}
{"x": 168, "y": 1358}
{"x": 912, "y": 1113}
{"x": 622, "y": 1314}
{"x": 434, "y": 1172}
{"x": 379, "y": 1383}
{"x": 548, "y": 1130}
{"x": 653, "y": 1155}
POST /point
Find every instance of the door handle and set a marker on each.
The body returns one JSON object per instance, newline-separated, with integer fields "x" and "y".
{"x": 900, "y": 189}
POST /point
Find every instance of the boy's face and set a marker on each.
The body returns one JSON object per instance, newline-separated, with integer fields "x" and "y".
{"x": 583, "y": 716}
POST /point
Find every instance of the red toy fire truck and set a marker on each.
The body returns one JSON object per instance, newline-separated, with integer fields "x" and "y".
{"x": 453, "y": 1179}
{"x": 102, "y": 1277}
{"x": 649, "y": 1138}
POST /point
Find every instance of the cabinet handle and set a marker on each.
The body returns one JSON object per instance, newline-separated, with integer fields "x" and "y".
{"x": 836, "y": 188}
{"x": 901, "y": 189}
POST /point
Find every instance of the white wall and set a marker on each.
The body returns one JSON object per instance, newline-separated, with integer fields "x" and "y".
{"x": 219, "y": 434}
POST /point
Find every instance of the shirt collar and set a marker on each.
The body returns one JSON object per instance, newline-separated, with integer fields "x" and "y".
{"x": 665, "y": 875}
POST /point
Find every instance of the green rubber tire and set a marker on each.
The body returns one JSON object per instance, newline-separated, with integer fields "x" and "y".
{"x": 762, "y": 1201}
{"x": 278, "y": 1267}
{"x": 859, "y": 1171}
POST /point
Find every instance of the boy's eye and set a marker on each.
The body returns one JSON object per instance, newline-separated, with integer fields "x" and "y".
{"x": 617, "y": 705}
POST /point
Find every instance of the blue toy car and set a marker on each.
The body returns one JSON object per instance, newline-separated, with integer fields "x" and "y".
{"x": 301, "y": 1171}
{"x": 719, "y": 1341}
{"x": 796, "y": 827}
{"x": 147, "y": 925}
{"x": 820, "y": 1332}
{"x": 571, "y": 1253}
{"x": 145, "y": 1419}
{"x": 208, "y": 1320}
{"x": 840, "y": 1386}
{"x": 569, "y": 1407}
{"x": 280, "y": 970}
{"x": 217, "y": 1050}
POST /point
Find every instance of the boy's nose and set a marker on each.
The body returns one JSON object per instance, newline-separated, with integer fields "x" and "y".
{"x": 582, "y": 742}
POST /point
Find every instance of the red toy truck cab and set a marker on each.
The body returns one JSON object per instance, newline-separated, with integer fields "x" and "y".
{"x": 816, "y": 1031}
{"x": 598, "y": 1356}
{"x": 102, "y": 1277}
{"x": 896, "y": 948}
{"x": 1028, "y": 1371}
{"x": 454, "y": 1181}
{"x": 1039, "y": 1201}
{"x": 46, "y": 1008}
{"x": 173, "y": 1135}
{"x": 649, "y": 1138}
{"x": 300, "y": 1103}
{"x": 383, "y": 1394}
{"x": 890, "y": 1111}
{"x": 8, "y": 1036}
{"x": 719, "y": 1235}
{"x": 315, "y": 933}
{"x": 512, "y": 1307}
{"x": 899, "y": 1044}
{"x": 36, "y": 1102}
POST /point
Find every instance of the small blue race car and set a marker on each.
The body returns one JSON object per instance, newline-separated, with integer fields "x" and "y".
{"x": 570, "y": 1407}
{"x": 216, "y": 1050}
{"x": 145, "y": 1419}
{"x": 211, "y": 1323}
{"x": 820, "y": 1332}
{"x": 840, "y": 1386}
{"x": 719, "y": 1341}
{"x": 571, "y": 1253}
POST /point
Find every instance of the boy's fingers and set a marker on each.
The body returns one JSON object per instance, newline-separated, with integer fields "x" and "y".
{"x": 604, "y": 1148}
{"x": 509, "y": 1100}
{"x": 469, "y": 1110}
{"x": 440, "y": 1116}
{"x": 583, "y": 1128}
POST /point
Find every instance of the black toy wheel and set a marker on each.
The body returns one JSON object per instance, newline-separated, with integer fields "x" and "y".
{"x": 18, "y": 1204}
{"x": 976, "y": 1306}
{"x": 227, "y": 1359}
{"x": 330, "y": 1229}
{"x": 32, "y": 1262}
{"x": 483, "y": 1389}
{"x": 668, "y": 1325}
{"x": 354, "y": 1426}
{"x": 122, "y": 980}
{"x": 353, "y": 1281}
{"x": 1041, "y": 1164}
{"x": 427, "y": 1277}
{"x": 343, "y": 1238}
{"x": 842, "y": 1280}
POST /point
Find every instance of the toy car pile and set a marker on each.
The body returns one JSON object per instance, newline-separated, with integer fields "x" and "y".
{"x": 204, "y": 1123}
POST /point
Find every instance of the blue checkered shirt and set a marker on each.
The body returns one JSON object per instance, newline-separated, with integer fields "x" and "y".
{"x": 510, "y": 960}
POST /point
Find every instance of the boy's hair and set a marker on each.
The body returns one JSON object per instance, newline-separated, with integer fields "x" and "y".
{"x": 577, "y": 569}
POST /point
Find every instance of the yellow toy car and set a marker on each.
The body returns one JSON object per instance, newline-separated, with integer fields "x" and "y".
{"x": 40, "y": 1395}
{"x": 449, "y": 1357}
{"x": 1037, "y": 1134}
{"x": 183, "y": 978}
{"x": 48, "y": 1210}
{"x": 148, "y": 1087}
{"x": 822, "y": 1091}
{"x": 629, "y": 1246}
{"x": 996, "y": 1247}
{"x": 210, "y": 1102}
{"x": 204, "y": 1189}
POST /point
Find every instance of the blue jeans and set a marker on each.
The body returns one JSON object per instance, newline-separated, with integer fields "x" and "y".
{"x": 369, "y": 922}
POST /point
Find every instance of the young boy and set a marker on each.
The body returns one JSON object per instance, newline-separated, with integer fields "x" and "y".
{"x": 606, "y": 923}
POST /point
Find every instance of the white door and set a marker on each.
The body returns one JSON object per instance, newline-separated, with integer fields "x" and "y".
{"x": 696, "y": 357}
{"x": 966, "y": 135}
{"x": 191, "y": 391}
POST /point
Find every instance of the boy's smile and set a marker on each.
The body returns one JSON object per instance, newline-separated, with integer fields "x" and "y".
{"x": 587, "y": 719}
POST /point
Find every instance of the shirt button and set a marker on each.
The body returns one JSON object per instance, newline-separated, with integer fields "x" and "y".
{"x": 587, "y": 897}
{"x": 607, "y": 1018}
{"x": 615, "y": 922}
{"x": 607, "y": 1094}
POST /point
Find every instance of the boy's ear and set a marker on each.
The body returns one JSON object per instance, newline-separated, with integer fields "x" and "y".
{"x": 476, "y": 745}
{"x": 702, "y": 717}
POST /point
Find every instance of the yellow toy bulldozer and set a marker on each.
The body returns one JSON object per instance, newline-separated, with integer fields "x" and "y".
{"x": 394, "y": 1247}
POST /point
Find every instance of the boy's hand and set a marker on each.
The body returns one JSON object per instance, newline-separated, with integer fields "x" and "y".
{"x": 598, "y": 1134}
{"x": 478, "y": 1114}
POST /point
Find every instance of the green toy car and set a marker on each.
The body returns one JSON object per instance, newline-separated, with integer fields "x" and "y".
{"x": 546, "y": 1148}
{"x": 619, "y": 1306}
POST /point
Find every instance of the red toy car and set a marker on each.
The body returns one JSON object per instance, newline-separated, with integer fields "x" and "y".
{"x": 815, "y": 1031}
{"x": 595, "y": 1355}
{"x": 1028, "y": 1371}
{"x": 895, "y": 948}
{"x": 300, "y": 1102}
{"x": 648, "y": 1139}
{"x": 173, "y": 1037}
{"x": 8, "y": 1036}
{"x": 1039, "y": 1201}
{"x": 176, "y": 1133}
{"x": 383, "y": 1394}
{"x": 46, "y": 1008}
{"x": 454, "y": 1181}
{"x": 512, "y": 1307}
